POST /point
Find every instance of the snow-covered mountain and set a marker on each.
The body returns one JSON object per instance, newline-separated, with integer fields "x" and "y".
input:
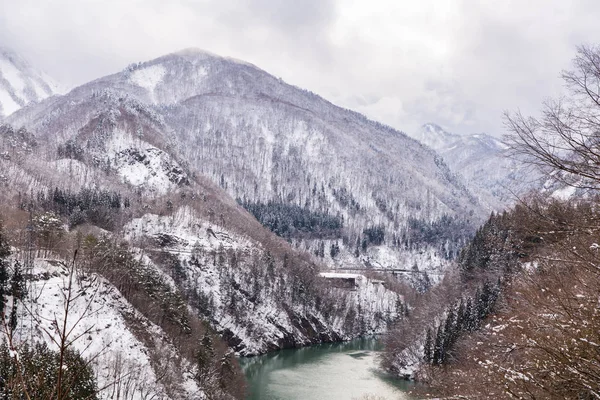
{"x": 265, "y": 141}
{"x": 190, "y": 248}
{"x": 435, "y": 136}
{"x": 481, "y": 160}
{"x": 149, "y": 169}
{"x": 20, "y": 83}
{"x": 107, "y": 164}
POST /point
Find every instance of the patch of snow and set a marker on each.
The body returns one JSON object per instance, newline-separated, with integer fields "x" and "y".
{"x": 39, "y": 91}
{"x": 564, "y": 193}
{"x": 148, "y": 77}
{"x": 142, "y": 165}
{"x": 13, "y": 76}
{"x": 9, "y": 106}
{"x": 340, "y": 275}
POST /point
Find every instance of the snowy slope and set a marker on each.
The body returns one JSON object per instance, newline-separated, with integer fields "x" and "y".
{"x": 481, "y": 160}
{"x": 249, "y": 302}
{"x": 20, "y": 83}
{"x": 263, "y": 140}
{"x": 100, "y": 327}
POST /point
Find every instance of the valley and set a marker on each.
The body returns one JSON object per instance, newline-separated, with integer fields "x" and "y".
{"x": 194, "y": 227}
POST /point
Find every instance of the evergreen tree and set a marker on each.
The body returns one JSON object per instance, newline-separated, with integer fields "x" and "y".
{"x": 438, "y": 347}
{"x": 4, "y": 253}
{"x": 205, "y": 354}
{"x": 334, "y": 250}
{"x": 226, "y": 370}
{"x": 476, "y": 310}
{"x": 427, "y": 353}
{"x": 17, "y": 291}
{"x": 37, "y": 372}
{"x": 460, "y": 316}
{"x": 468, "y": 324}
{"x": 450, "y": 334}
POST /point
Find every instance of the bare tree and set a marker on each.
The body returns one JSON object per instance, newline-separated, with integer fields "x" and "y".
{"x": 543, "y": 341}
{"x": 564, "y": 141}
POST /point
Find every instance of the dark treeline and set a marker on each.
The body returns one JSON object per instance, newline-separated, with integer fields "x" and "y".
{"x": 461, "y": 317}
{"x": 70, "y": 149}
{"x": 494, "y": 248}
{"x": 447, "y": 231}
{"x": 291, "y": 221}
{"x": 493, "y": 253}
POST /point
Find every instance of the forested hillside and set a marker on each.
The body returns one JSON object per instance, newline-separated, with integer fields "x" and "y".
{"x": 327, "y": 173}
{"x": 160, "y": 276}
{"x": 523, "y": 314}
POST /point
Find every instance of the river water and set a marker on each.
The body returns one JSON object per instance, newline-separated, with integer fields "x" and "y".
{"x": 338, "y": 371}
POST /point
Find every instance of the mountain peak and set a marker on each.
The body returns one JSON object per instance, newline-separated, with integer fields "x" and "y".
{"x": 197, "y": 53}
{"x": 432, "y": 127}
{"x": 435, "y": 136}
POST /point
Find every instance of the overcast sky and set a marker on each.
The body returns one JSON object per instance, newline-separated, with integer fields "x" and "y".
{"x": 459, "y": 63}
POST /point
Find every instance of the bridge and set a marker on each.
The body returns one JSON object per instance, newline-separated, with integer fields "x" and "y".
{"x": 385, "y": 270}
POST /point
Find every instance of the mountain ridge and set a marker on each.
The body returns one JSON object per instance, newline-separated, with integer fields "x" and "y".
{"x": 240, "y": 83}
{"x": 20, "y": 83}
{"x": 482, "y": 161}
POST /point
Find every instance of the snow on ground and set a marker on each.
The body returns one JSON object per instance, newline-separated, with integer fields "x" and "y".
{"x": 142, "y": 165}
{"x": 148, "y": 77}
{"x": 13, "y": 76}
{"x": 9, "y": 106}
{"x": 186, "y": 229}
{"x": 564, "y": 193}
{"x": 239, "y": 297}
{"x": 341, "y": 275}
{"x": 99, "y": 329}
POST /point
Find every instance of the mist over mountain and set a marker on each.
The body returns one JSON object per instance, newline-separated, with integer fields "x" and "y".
{"x": 483, "y": 163}
{"x": 20, "y": 83}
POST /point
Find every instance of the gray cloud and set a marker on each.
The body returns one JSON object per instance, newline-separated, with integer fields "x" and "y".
{"x": 459, "y": 63}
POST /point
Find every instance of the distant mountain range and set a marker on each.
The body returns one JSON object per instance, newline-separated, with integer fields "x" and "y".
{"x": 482, "y": 162}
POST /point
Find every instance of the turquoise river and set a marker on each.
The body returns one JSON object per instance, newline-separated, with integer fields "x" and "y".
{"x": 338, "y": 371}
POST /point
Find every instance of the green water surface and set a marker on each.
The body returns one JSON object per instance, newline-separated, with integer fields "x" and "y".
{"x": 338, "y": 371}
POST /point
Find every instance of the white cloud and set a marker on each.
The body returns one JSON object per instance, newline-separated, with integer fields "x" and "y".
{"x": 459, "y": 63}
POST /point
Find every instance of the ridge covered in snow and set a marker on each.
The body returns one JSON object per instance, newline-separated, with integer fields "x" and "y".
{"x": 20, "y": 83}
{"x": 263, "y": 140}
{"x": 482, "y": 162}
